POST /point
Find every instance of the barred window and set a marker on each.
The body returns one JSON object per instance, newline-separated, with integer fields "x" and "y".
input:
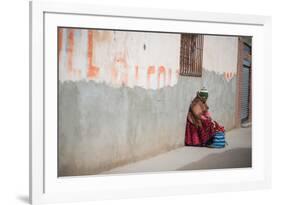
{"x": 191, "y": 55}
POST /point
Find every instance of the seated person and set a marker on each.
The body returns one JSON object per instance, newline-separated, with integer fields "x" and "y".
{"x": 200, "y": 128}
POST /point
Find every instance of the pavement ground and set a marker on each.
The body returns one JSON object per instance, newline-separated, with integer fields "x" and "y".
{"x": 237, "y": 154}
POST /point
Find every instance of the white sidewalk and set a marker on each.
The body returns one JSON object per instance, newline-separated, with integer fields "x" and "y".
{"x": 236, "y": 154}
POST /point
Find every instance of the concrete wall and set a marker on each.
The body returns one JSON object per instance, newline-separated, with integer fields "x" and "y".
{"x": 101, "y": 127}
{"x": 219, "y": 76}
{"x": 148, "y": 60}
{"x": 121, "y": 98}
{"x": 220, "y": 55}
{"x": 222, "y": 94}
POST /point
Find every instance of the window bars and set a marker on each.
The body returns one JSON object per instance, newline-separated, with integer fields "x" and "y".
{"x": 191, "y": 55}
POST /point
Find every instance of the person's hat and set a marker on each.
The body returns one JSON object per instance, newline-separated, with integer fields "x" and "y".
{"x": 203, "y": 93}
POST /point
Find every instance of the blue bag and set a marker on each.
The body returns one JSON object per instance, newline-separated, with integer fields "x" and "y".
{"x": 218, "y": 141}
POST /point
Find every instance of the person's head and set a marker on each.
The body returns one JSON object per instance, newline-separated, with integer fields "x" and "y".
{"x": 203, "y": 94}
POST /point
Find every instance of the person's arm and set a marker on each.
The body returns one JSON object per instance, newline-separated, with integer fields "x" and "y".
{"x": 190, "y": 117}
{"x": 194, "y": 120}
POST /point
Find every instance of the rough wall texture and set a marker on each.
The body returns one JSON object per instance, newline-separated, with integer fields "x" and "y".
{"x": 142, "y": 59}
{"x": 121, "y": 98}
{"x": 220, "y": 53}
{"x": 101, "y": 127}
{"x": 222, "y": 93}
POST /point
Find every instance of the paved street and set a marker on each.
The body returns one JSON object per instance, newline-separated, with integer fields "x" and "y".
{"x": 236, "y": 155}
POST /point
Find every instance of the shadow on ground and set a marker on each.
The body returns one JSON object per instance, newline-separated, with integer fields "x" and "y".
{"x": 234, "y": 158}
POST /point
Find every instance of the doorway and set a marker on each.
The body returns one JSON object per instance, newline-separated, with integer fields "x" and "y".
{"x": 244, "y": 82}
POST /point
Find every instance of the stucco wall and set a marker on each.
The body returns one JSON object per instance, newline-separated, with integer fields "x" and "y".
{"x": 143, "y": 59}
{"x": 101, "y": 127}
{"x": 121, "y": 98}
{"x": 221, "y": 100}
{"x": 220, "y": 57}
{"x": 220, "y": 53}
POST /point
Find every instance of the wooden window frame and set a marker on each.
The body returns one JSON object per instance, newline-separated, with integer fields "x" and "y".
{"x": 191, "y": 55}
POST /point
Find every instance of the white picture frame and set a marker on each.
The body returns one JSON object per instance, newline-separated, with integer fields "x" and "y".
{"x": 46, "y": 187}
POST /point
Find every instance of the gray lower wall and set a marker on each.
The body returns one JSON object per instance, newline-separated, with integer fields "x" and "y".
{"x": 101, "y": 127}
{"x": 222, "y": 97}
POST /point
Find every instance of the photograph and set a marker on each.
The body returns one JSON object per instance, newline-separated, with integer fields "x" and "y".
{"x": 133, "y": 101}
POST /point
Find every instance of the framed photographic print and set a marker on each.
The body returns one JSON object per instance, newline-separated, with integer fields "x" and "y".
{"x": 129, "y": 102}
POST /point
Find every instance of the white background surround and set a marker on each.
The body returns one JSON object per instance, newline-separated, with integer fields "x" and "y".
{"x": 15, "y": 176}
{"x": 53, "y": 189}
